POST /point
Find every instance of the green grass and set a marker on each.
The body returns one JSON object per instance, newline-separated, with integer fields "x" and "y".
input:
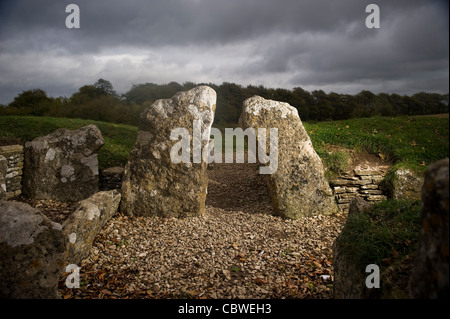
{"x": 390, "y": 228}
{"x": 119, "y": 138}
{"x": 386, "y": 235}
{"x": 412, "y": 142}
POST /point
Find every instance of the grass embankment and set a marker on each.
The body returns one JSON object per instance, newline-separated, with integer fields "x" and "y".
{"x": 387, "y": 233}
{"x": 119, "y": 138}
{"x": 412, "y": 142}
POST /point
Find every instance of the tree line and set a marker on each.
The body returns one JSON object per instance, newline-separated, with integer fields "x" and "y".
{"x": 99, "y": 101}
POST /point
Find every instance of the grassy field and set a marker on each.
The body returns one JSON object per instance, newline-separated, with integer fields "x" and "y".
{"x": 119, "y": 139}
{"x": 414, "y": 142}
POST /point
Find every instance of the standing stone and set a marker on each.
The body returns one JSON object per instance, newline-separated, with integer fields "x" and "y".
{"x": 298, "y": 187}
{"x": 430, "y": 275}
{"x": 152, "y": 183}
{"x": 3, "y": 170}
{"x": 63, "y": 165}
{"x": 32, "y": 252}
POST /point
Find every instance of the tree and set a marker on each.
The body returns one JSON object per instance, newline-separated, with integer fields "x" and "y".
{"x": 105, "y": 87}
{"x": 85, "y": 94}
{"x": 29, "y": 98}
{"x": 366, "y": 98}
{"x": 303, "y": 101}
{"x": 326, "y": 111}
{"x": 383, "y": 105}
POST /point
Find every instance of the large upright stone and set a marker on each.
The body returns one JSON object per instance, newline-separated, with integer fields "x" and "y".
{"x": 32, "y": 252}
{"x": 153, "y": 184}
{"x": 63, "y": 165}
{"x": 430, "y": 275}
{"x": 298, "y": 187}
{"x": 3, "y": 170}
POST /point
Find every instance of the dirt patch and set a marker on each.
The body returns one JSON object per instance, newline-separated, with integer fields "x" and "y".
{"x": 238, "y": 187}
{"x": 362, "y": 160}
{"x": 6, "y": 141}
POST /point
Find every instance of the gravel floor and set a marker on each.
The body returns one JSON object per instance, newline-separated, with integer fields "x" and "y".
{"x": 237, "y": 249}
{"x": 222, "y": 254}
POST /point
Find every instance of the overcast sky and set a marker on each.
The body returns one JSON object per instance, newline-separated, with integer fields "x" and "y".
{"x": 314, "y": 44}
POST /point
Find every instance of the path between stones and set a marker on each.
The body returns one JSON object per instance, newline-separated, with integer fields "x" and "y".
{"x": 238, "y": 249}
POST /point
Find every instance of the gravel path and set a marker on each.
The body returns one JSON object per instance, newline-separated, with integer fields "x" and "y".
{"x": 231, "y": 251}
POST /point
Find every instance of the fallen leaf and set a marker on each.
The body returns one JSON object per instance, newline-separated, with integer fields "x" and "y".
{"x": 259, "y": 281}
{"x": 235, "y": 269}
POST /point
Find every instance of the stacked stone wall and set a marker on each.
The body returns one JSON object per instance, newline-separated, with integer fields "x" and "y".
{"x": 360, "y": 182}
{"x": 14, "y": 171}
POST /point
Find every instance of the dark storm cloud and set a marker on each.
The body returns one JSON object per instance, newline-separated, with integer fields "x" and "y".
{"x": 180, "y": 22}
{"x": 315, "y": 44}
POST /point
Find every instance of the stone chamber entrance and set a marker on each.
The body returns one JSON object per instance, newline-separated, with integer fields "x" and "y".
{"x": 238, "y": 187}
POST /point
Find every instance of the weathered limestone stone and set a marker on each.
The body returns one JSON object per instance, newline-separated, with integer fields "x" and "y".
{"x": 430, "y": 275}
{"x": 152, "y": 183}
{"x": 358, "y": 205}
{"x": 298, "y": 186}
{"x": 376, "y": 198}
{"x": 406, "y": 184}
{"x": 86, "y": 222}
{"x": 32, "y": 252}
{"x": 3, "y": 170}
{"x": 63, "y": 165}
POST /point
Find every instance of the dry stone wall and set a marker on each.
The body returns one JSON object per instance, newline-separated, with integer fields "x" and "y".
{"x": 360, "y": 182}
{"x": 3, "y": 167}
{"x": 14, "y": 170}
